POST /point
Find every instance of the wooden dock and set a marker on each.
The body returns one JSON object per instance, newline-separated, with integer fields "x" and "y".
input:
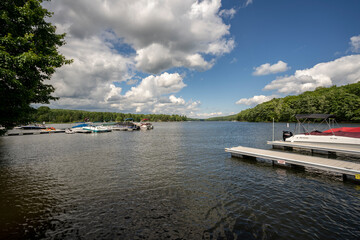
{"x": 349, "y": 170}
{"x": 323, "y": 147}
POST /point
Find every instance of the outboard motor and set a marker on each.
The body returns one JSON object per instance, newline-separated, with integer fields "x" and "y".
{"x": 287, "y": 134}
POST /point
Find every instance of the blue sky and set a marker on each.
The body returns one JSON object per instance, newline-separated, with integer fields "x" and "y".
{"x": 201, "y": 58}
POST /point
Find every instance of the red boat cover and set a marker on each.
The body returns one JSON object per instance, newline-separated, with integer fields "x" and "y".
{"x": 343, "y": 131}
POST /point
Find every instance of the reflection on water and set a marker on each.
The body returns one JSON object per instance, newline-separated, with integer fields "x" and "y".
{"x": 175, "y": 182}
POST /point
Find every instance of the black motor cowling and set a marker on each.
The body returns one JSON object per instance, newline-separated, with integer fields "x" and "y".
{"x": 287, "y": 134}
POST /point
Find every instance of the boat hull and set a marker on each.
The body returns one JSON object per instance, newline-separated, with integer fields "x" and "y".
{"x": 323, "y": 139}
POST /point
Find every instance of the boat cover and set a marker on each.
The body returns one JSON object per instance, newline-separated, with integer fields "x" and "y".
{"x": 343, "y": 131}
{"x": 314, "y": 116}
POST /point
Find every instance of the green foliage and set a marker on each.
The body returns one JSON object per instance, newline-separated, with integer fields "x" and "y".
{"x": 344, "y": 102}
{"x": 28, "y": 56}
{"x": 45, "y": 114}
{"x": 225, "y": 118}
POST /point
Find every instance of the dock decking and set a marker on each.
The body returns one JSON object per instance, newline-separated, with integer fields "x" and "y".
{"x": 348, "y": 169}
{"x": 326, "y": 147}
{"x": 36, "y": 132}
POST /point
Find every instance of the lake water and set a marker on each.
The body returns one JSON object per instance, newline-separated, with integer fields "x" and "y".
{"x": 173, "y": 182}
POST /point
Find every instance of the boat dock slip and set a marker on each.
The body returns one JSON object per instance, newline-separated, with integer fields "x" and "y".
{"x": 326, "y": 147}
{"x": 348, "y": 169}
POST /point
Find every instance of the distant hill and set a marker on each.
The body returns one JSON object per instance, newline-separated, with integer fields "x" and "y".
{"x": 225, "y": 118}
{"x": 343, "y": 101}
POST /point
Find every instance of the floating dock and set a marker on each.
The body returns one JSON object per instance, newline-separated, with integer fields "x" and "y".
{"x": 349, "y": 170}
{"x": 27, "y": 132}
{"x": 332, "y": 149}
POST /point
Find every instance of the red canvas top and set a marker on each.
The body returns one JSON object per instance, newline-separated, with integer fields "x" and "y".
{"x": 343, "y": 131}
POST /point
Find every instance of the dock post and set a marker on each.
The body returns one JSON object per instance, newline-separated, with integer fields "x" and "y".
{"x": 332, "y": 154}
{"x": 288, "y": 148}
{"x": 344, "y": 177}
{"x": 297, "y": 167}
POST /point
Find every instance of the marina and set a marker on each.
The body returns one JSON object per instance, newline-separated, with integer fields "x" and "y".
{"x": 81, "y": 128}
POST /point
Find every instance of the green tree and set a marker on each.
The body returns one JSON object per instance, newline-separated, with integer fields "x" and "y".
{"x": 28, "y": 56}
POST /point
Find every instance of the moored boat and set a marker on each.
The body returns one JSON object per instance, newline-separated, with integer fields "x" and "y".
{"x": 33, "y": 127}
{"x": 125, "y": 126}
{"x": 146, "y": 126}
{"x": 97, "y": 129}
{"x": 323, "y": 132}
{"x": 80, "y": 128}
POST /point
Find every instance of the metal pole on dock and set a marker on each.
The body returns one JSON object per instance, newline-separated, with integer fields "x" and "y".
{"x": 273, "y": 136}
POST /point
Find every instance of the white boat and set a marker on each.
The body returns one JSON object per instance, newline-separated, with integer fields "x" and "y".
{"x": 125, "y": 126}
{"x": 69, "y": 131}
{"x": 97, "y": 129}
{"x": 146, "y": 126}
{"x": 80, "y": 128}
{"x": 323, "y": 132}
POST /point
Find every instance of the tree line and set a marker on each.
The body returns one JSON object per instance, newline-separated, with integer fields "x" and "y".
{"x": 46, "y": 114}
{"x": 343, "y": 102}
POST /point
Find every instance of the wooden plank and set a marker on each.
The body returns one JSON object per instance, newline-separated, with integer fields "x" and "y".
{"x": 326, "y": 164}
{"x": 328, "y": 147}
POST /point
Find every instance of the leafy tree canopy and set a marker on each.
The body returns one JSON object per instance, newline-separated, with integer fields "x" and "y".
{"x": 28, "y": 56}
{"x": 343, "y": 102}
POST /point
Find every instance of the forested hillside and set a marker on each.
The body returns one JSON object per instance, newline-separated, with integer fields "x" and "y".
{"x": 45, "y": 114}
{"x": 344, "y": 102}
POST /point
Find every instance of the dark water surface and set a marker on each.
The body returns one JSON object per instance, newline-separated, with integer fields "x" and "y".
{"x": 174, "y": 182}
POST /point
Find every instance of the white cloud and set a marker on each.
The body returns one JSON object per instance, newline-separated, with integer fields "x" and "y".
{"x": 163, "y": 34}
{"x": 344, "y": 70}
{"x": 248, "y": 2}
{"x": 177, "y": 101}
{"x": 355, "y": 44}
{"x": 153, "y": 87}
{"x": 255, "y": 100}
{"x": 266, "y": 69}
{"x": 228, "y": 13}
{"x": 206, "y": 115}
{"x": 154, "y": 94}
{"x": 96, "y": 66}
{"x": 110, "y": 41}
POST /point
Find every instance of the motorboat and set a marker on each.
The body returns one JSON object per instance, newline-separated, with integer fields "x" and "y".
{"x": 146, "y": 126}
{"x": 97, "y": 129}
{"x": 80, "y": 128}
{"x": 125, "y": 126}
{"x": 33, "y": 127}
{"x": 308, "y": 130}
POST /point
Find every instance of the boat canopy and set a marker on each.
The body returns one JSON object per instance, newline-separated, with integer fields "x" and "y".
{"x": 353, "y": 132}
{"x": 314, "y": 116}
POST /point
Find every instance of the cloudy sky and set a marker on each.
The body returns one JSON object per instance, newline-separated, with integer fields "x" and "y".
{"x": 201, "y": 58}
